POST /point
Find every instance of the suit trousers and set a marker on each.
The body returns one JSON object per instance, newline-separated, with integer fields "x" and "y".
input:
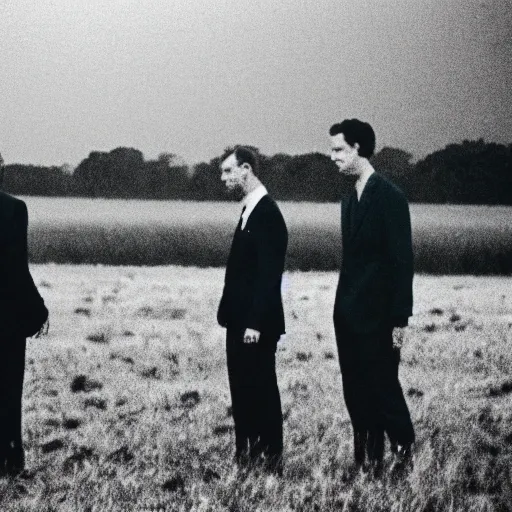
{"x": 371, "y": 388}
{"x": 255, "y": 399}
{"x": 12, "y": 368}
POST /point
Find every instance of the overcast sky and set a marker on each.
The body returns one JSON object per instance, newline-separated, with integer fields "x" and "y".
{"x": 193, "y": 76}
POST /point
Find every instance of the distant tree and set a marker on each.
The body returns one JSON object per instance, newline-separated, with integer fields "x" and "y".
{"x": 206, "y": 183}
{"x": 114, "y": 174}
{"x": 178, "y": 184}
{"x": 178, "y": 176}
{"x": 123, "y": 173}
{"x": 397, "y": 166}
{"x": 90, "y": 176}
{"x": 172, "y": 159}
{"x": 167, "y": 158}
{"x": 125, "y": 166}
{"x": 163, "y": 179}
{"x": 313, "y": 177}
{"x": 474, "y": 172}
{"x": 470, "y": 172}
{"x": 66, "y": 169}
{"x": 273, "y": 174}
{"x": 20, "y": 179}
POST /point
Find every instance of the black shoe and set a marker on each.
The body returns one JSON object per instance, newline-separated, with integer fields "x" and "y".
{"x": 403, "y": 461}
{"x": 360, "y": 440}
{"x": 375, "y": 452}
{"x": 15, "y": 461}
{"x": 274, "y": 465}
{"x": 376, "y": 469}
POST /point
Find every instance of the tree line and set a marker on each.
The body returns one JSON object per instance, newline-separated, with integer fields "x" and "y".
{"x": 472, "y": 172}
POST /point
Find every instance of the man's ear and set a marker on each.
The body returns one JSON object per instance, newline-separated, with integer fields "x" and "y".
{"x": 246, "y": 166}
{"x": 356, "y": 147}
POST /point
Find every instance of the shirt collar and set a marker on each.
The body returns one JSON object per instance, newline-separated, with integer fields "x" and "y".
{"x": 252, "y": 199}
{"x": 361, "y": 183}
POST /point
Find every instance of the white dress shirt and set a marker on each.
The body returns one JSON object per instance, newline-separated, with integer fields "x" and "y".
{"x": 361, "y": 183}
{"x": 250, "y": 201}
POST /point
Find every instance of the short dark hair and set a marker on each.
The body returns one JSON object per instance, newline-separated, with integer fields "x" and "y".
{"x": 243, "y": 155}
{"x": 358, "y": 131}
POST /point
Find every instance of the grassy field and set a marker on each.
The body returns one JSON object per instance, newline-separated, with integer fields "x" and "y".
{"x": 127, "y": 402}
{"x": 447, "y": 239}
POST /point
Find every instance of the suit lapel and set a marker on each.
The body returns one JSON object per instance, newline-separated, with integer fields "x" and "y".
{"x": 365, "y": 204}
{"x": 255, "y": 213}
{"x": 346, "y": 205}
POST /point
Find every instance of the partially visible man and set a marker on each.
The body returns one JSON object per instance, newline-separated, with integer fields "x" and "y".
{"x": 251, "y": 309}
{"x": 22, "y": 314}
{"x": 373, "y": 300}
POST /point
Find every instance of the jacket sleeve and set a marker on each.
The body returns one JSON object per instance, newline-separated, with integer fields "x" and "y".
{"x": 221, "y": 313}
{"x": 271, "y": 242}
{"x": 400, "y": 256}
{"x": 31, "y": 312}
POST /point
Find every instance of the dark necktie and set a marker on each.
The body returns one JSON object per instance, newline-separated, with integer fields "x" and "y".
{"x": 239, "y": 227}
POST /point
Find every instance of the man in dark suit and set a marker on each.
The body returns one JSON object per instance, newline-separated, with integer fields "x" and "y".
{"x": 22, "y": 314}
{"x": 251, "y": 309}
{"x": 373, "y": 300}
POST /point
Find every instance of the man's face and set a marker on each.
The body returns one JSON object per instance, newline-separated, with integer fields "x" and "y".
{"x": 343, "y": 154}
{"x": 233, "y": 175}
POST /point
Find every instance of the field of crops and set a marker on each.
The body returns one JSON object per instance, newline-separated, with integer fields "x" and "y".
{"x": 126, "y": 403}
{"x": 447, "y": 239}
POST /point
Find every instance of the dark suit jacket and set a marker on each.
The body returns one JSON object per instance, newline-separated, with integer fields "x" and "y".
{"x": 252, "y": 286}
{"x": 375, "y": 284}
{"x": 22, "y": 310}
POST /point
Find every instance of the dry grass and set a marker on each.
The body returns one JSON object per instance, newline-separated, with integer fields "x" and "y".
{"x": 447, "y": 239}
{"x": 140, "y": 419}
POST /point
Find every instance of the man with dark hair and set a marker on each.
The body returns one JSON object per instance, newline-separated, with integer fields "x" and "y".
{"x": 373, "y": 300}
{"x": 244, "y": 155}
{"x": 356, "y": 132}
{"x": 22, "y": 314}
{"x": 251, "y": 309}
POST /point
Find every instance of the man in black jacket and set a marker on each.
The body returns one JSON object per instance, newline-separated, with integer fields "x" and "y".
{"x": 22, "y": 314}
{"x": 252, "y": 311}
{"x": 373, "y": 299}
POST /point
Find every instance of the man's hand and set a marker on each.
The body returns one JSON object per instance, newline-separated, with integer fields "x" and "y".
{"x": 44, "y": 329}
{"x": 398, "y": 337}
{"x": 251, "y": 336}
